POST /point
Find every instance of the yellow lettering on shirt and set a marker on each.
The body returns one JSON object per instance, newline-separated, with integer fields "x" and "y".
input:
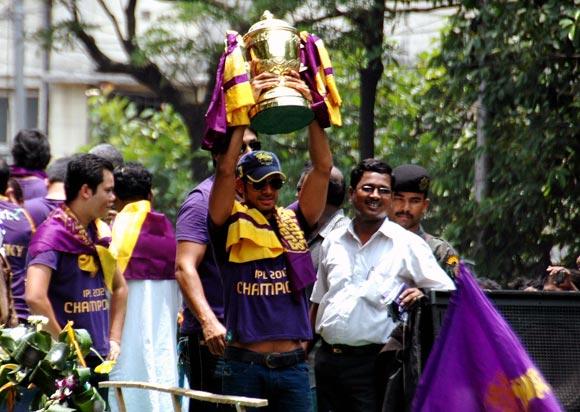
{"x": 263, "y": 288}
{"x": 86, "y": 306}
{"x": 260, "y": 274}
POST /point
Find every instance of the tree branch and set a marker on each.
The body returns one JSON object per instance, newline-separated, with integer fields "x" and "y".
{"x": 149, "y": 74}
{"x": 331, "y": 14}
{"x": 393, "y": 10}
{"x": 130, "y": 16}
{"x": 113, "y": 19}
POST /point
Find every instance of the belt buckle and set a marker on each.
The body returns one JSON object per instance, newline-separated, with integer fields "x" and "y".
{"x": 336, "y": 350}
{"x": 268, "y": 360}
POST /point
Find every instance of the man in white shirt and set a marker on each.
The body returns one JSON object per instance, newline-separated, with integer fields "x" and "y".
{"x": 362, "y": 267}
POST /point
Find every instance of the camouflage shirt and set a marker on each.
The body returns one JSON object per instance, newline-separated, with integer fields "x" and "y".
{"x": 446, "y": 256}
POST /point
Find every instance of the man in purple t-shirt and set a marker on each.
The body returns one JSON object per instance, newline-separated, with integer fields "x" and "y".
{"x": 66, "y": 279}
{"x": 266, "y": 266}
{"x": 40, "y": 207}
{"x": 201, "y": 286}
{"x": 17, "y": 228}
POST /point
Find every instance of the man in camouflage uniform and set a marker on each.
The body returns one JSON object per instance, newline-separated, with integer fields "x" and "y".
{"x": 410, "y": 202}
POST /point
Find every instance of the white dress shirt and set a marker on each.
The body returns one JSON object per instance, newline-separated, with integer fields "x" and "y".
{"x": 355, "y": 281}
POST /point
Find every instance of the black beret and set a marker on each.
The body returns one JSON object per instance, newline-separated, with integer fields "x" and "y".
{"x": 411, "y": 178}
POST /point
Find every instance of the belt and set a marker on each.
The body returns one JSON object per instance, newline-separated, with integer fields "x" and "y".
{"x": 337, "y": 349}
{"x": 272, "y": 360}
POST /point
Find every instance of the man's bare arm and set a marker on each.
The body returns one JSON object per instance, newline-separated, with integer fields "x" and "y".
{"x": 316, "y": 183}
{"x": 37, "y": 282}
{"x": 118, "y": 309}
{"x": 223, "y": 191}
{"x": 189, "y": 257}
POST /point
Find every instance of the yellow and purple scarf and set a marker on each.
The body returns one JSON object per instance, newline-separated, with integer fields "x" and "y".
{"x": 319, "y": 76}
{"x": 143, "y": 243}
{"x": 232, "y": 95}
{"x": 62, "y": 232}
{"x": 251, "y": 237}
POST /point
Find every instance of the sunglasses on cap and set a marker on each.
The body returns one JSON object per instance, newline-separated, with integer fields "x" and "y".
{"x": 275, "y": 183}
{"x": 254, "y": 145}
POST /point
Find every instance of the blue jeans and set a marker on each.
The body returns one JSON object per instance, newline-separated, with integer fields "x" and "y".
{"x": 287, "y": 389}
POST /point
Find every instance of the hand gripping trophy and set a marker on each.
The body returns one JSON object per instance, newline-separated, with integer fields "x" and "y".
{"x": 273, "y": 46}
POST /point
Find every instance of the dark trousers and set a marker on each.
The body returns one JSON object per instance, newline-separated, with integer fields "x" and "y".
{"x": 347, "y": 382}
{"x": 205, "y": 373}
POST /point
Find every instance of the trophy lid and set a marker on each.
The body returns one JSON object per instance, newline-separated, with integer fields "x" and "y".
{"x": 268, "y": 22}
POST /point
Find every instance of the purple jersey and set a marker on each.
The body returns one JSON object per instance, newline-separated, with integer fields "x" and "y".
{"x": 40, "y": 207}
{"x": 192, "y": 227}
{"x": 17, "y": 232}
{"x": 259, "y": 303}
{"x": 77, "y": 295}
{"x": 32, "y": 187}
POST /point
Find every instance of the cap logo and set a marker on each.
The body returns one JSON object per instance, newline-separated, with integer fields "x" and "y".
{"x": 424, "y": 183}
{"x": 264, "y": 158}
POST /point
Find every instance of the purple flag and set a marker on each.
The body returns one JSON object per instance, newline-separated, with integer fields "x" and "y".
{"x": 478, "y": 363}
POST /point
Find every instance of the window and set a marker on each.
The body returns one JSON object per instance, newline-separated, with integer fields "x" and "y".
{"x": 4, "y": 115}
{"x": 32, "y": 112}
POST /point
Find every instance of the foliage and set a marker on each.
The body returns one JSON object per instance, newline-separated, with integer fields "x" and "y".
{"x": 175, "y": 56}
{"x": 158, "y": 139}
{"x": 29, "y": 356}
{"x": 526, "y": 56}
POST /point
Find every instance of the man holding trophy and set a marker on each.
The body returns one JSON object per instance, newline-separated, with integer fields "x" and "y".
{"x": 261, "y": 249}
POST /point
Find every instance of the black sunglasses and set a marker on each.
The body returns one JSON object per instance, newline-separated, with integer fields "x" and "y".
{"x": 254, "y": 145}
{"x": 275, "y": 183}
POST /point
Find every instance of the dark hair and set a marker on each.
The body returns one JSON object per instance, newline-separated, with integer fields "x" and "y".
{"x": 4, "y": 176}
{"x": 132, "y": 182}
{"x": 85, "y": 169}
{"x": 369, "y": 165}
{"x": 14, "y": 184}
{"x": 336, "y": 186}
{"x": 57, "y": 170}
{"x": 109, "y": 152}
{"x": 31, "y": 149}
{"x": 336, "y": 191}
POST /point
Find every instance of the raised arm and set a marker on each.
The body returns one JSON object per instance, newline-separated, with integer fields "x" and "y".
{"x": 312, "y": 198}
{"x": 223, "y": 192}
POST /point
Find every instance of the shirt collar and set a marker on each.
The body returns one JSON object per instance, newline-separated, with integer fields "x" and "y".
{"x": 387, "y": 229}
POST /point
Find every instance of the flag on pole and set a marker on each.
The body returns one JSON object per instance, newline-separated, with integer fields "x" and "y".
{"x": 478, "y": 363}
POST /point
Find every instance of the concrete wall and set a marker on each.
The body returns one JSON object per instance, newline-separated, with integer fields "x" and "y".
{"x": 68, "y": 119}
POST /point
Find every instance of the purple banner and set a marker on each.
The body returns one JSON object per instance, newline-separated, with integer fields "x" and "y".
{"x": 478, "y": 363}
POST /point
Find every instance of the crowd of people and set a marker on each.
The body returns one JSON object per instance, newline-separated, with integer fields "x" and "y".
{"x": 291, "y": 304}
